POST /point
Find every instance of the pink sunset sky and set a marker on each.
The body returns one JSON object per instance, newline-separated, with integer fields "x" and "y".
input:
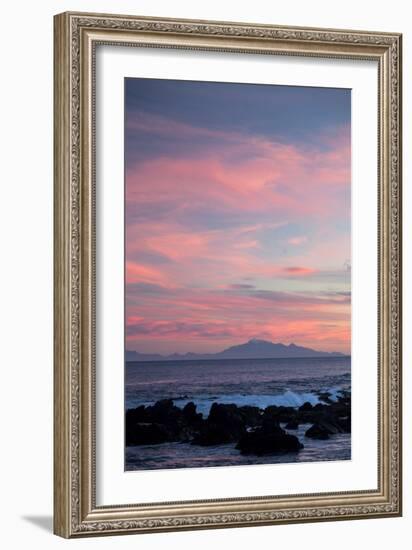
{"x": 237, "y": 216}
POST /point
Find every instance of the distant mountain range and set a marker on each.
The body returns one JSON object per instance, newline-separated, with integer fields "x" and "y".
{"x": 253, "y": 349}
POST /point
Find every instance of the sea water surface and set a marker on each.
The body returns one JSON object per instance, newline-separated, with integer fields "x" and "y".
{"x": 259, "y": 382}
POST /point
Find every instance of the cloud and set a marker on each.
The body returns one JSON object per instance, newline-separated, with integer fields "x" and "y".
{"x": 221, "y": 315}
{"x": 139, "y": 122}
{"x": 296, "y": 241}
{"x": 298, "y": 270}
{"x": 140, "y": 273}
{"x": 241, "y": 286}
{"x": 242, "y": 208}
{"x": 239, "y": 172}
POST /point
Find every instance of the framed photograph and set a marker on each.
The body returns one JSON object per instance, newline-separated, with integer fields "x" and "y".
{"x": 227, "y": 274}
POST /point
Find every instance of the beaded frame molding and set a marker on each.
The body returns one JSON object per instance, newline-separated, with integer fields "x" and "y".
{"x": 76, "y": 36}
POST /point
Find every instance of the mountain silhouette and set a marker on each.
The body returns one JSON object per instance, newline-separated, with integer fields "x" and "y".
{"x": 253, "y": 349}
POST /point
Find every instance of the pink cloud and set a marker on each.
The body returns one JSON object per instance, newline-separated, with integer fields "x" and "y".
{"x": 297, "y": 270}
{"x": 266, "y": 174}
{"x": 189, "y": 332}
{"x": 139, "y": 273}
{"x": 296, "y": 241}
{"x": 192, "y": 316}
{"x": 202, "y": 295}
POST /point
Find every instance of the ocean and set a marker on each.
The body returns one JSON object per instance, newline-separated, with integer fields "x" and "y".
{"x": 258, "y": 382}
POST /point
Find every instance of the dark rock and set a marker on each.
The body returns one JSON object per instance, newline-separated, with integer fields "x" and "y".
{"x": 228, "y": 417}
{"x": 224, "y": 424}
{"x": 136, "y": 415}
{"x": 187, "y": 433}
{"x": 317, "y": 432}
{"x": 285, "y": 413}
{"x": 263, "y": 441}
{"x": 344, "y": 394}
{"x": 345, "y": 423}
{"x": 270, "y": 424}
{"x": 271, "y": 410}
{"x": 162, "y": 422}
{"x": 292, "y": 425}
{"x": 330, "y": 425}
{"x": 190, "y": 415}
{"x": 250, "y": 415}
{"x": 132, "y": 418}
{"x": 280, "y": 414}
{"x": 164, "y": 411}
{"x": 256, "y": 431}
{"x": 144, "y": 433}
{"x": 189, "y": 410}
{"x": 215, "y": 434}
{"x": 325, "y": 397}
{"x": 339, "y": 409}
{"x": 224, "y": 413}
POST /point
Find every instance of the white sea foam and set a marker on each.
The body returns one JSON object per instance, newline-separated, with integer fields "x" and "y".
{"x": 287, "y": 399}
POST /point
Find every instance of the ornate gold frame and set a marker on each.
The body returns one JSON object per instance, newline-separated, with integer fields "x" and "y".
{"x": 76, "y": 36}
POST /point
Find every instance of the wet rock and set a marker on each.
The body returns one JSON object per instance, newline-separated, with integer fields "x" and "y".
{"x": 224, "y": 424}
{"x": 162, "y": 422}
{"x": 325, "y": 397}
{"x": 214, "y": 434}
{"x": 136, "y": 415}
{"x": 317, "y": 432}
{"x": 330, "y": 425}
{"x": 225, "y": 413}
{"x": 306, "y": 406}
{"x": 255, "y": 430}
{"x": 190, "y": 414}
{"x": 293, "y": 424}
{"x": 144, "y": 433}
{"x": 251, "y": 416}
{"x": 163, "y": 411}
{"x": 345, "y": 423}
{"x": 264, "y": 441}
{"x": 280, "y": 414}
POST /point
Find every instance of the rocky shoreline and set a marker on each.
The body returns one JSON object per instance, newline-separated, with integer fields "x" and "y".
{"x": 252, "y": 430}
